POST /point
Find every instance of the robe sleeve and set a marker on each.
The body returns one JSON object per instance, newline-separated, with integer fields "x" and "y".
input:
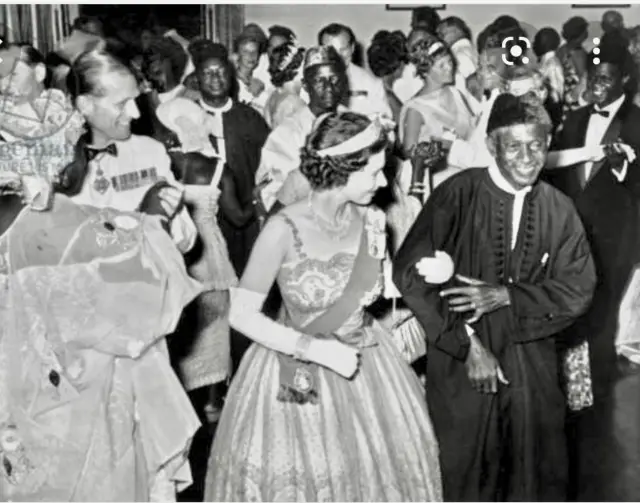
{"x": 542, "y": 309}
{"x": 433, "y": 229}
{"x": 632, "y": 180}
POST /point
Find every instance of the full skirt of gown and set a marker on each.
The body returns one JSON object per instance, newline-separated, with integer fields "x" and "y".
{"x": 369, "y": 439}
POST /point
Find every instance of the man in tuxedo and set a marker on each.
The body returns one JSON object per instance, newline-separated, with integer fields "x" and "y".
{"x": 607, "y": 196}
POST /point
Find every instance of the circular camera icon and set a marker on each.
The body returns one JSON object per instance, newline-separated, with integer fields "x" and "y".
{"x": 514, "y": 50}
{"x": 23, "y": 115}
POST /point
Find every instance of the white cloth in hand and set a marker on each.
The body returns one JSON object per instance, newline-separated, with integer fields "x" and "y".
{"x": 436, "y": 270}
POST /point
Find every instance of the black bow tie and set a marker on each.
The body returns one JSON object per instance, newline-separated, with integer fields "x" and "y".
{"x": 604, "y": 113}
{"x": 92, "y": 153}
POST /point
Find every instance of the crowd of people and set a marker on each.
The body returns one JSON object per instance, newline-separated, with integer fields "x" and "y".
{"x": 391, "y": 281}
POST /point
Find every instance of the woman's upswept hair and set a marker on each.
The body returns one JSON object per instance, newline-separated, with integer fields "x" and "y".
{"x": 285, "y": 62}
{"x": 387, "y": 52}
{"x": 328, "y": 172}
{"x": 423, "y": 56}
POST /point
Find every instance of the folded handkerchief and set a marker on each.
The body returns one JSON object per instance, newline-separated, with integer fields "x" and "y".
{"x": 436, "y": 270}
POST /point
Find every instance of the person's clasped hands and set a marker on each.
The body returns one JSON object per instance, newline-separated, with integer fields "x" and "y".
{"x": 619, "y": 154}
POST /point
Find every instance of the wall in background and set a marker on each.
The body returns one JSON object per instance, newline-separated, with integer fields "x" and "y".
{"x": 366, "y": 19}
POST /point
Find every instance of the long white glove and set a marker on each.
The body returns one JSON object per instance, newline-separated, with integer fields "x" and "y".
{"x": 246, "y": 316}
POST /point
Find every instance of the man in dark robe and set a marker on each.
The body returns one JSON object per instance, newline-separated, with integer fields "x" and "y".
{"x": 524, "y": 272}
{"x": 240, "y": 136}
{"x": 607, "y": 196}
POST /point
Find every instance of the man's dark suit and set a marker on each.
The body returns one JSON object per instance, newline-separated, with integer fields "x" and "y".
{"x": 610, "y": 210}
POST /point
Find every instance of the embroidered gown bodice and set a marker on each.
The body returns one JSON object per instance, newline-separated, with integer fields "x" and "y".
{"x": 311, "y": 285}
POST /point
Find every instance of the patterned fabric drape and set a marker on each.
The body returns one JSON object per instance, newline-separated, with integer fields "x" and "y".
{"x": 228, "y": 21}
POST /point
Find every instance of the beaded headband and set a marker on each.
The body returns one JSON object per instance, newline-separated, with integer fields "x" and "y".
{"x": 434, "y": 48}
{"x": 358, "y": 142}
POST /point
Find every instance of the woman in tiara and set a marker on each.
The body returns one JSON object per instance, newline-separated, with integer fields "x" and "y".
{"x": 323, "y": 407}
{"x": 438, "y": 114}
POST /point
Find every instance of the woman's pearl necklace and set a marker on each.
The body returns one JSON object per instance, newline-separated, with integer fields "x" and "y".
{"x": 336, "y": 233}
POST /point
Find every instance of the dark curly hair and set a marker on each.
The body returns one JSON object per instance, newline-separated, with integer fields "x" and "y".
{"x": 282, "y": 74}
{"x": 164, "y": 49}
{"x": 422, "y": 59}
{"x": 387, "y": 52}
{"x": 330, "y": 172}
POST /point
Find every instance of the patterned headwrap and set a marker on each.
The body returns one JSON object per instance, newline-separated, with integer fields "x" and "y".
{"x": 320, "y": 55}
{"x": 292, "y": 50}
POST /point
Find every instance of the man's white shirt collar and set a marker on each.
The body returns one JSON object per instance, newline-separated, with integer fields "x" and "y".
{"x": 613, "y": 107}
{"x": 518, "y": 203}
{"x": 502, "y": 183}
{"x": 224, "y": 108}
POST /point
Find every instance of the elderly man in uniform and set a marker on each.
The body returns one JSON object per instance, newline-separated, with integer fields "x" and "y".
{"x": 366, "y": 92}
{"x": 524, "y": 272}
{"x": 114, "y": 168}
{"x": 325, "y": 81}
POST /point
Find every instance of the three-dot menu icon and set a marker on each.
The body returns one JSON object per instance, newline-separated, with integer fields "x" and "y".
{"x": 596, "y": 50}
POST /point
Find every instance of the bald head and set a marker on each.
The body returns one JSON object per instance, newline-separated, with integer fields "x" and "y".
{"x": 612, "y": 21}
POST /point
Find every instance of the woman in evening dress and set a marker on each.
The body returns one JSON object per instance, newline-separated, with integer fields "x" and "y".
{"x": 323, "y": 407}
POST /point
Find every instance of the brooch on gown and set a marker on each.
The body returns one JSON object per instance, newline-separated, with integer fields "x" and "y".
{"x": 376, "y": 233}
{"x": 303, "y": 380}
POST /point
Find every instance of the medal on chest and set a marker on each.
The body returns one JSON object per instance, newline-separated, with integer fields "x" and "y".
{"x": 101, "y": 184}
